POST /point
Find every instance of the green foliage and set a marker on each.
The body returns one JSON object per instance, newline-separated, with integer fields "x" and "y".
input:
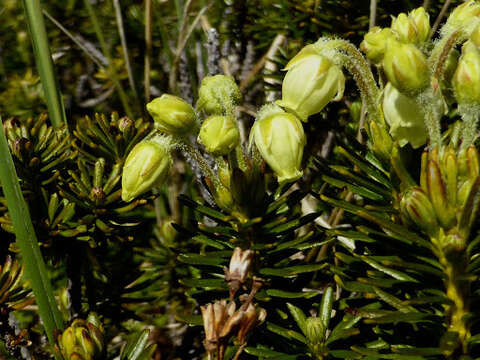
{"x": 330, "y": 266}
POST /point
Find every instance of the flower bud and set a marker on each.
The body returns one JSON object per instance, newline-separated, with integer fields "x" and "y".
{"x": 219, "y": 134}
{"x": 404, "y": 28}
{"x": 475, "y": 37}
{"x": 315, "y": 334}
{"x": 311, "y": 82}
{"x": 218, "y": 95}
{"x": 83, "y": 340}
{"x": 466, "y": 80}
{"x": 464, "y": 14}
{"x": 421, "y": 20}
{"x": 374, "y": 43}
{"x": 406, "y": 67}
{"x": 172, "y": 115}
{"x": 437, "y": 192}
{"x": 146, "y": 166}
{"x": 417, "y": 208}
{"x": 405, "y": 118}
{"x": 314, "y": 330}
{"x": 280, "y": 139}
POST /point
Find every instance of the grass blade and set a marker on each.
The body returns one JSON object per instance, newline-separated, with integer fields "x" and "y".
{"x": 35, "y": 268}
{"x": 44, "y": 62}
{"x": 123, "y": 40}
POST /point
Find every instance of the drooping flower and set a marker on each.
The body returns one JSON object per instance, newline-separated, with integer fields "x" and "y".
{"x": 311, "y": 82}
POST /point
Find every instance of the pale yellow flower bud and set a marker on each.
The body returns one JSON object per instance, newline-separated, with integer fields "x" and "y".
{"x": 466, "y": 80}
{"x": 219, "y": 134}
{"x": 146, "y": 166}
{"x": 464, "y": 14}
{"x": 406, "y": 67}
{"x": 218, "y": 95}
{"x": 374, "y": 43}
{"x": 421, "y": 19}
{"x": 404, "y": 28}
{"x": 172, "y": 115}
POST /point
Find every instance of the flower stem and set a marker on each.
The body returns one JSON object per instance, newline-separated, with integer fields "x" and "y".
{"x": 457, "y": 288}
{"x": 348, "y": 56}
{"x": 469, "y": 115}
{"x": 198, "y": 158}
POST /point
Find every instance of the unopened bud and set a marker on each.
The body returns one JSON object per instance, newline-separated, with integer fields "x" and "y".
{"x": 421, "y": 20}
{"x": 311, "y": 82}
{"x": 464, "y": 14}
{"x": 437, "y": 192}
{"x": 473, "y": 162}
{"x": 405, "y": 118}
{"x": 314, "y": 330}
{"x": 475, "y": 37}
{"x": 280, "y": 139}
{"x": 146, "y": 166}
{"x": 219, "y": 134}
{"x": 81, "y": 340}
{"x": 417, "y": 208}
{"x": 405, "y": 29}
{"x": 406, "y": 67}
{"x": 374, "y": 43}
{"x": 172, "y": 115}
{"x": 168, "y": 232}
{"x": 466, "y": 80}
{"x": 218, "y": 95}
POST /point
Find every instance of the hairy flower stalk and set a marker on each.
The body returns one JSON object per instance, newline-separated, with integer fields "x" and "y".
{"x": 343, "y": 53}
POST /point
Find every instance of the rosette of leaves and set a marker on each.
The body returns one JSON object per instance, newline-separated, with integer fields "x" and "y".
{"x": 111, "y": 138}
{"x": 392, "y": 281}
{"x": 95, "y": 189}
{"x": 41, "y": 154}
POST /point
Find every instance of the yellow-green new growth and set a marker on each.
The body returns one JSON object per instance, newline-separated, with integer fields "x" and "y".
{"x": 311, "y": 82}
{"x": 172, "y": 115}
{"x": 280, "y": 139}
{"x": 219, "y": 134}
{"x": 146, "y": 166}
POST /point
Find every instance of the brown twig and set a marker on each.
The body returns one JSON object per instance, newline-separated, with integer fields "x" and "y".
{"x": 439, "y": 18}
